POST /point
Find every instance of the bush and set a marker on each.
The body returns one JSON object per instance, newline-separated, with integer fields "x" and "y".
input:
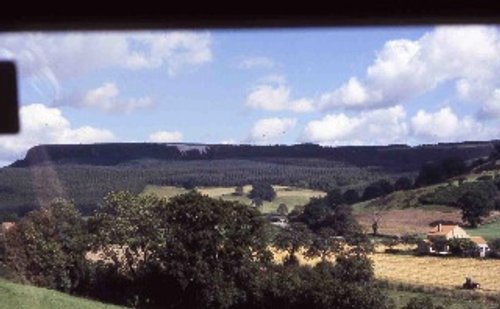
{"x": 462, "y": 247}
{"x": 422, "y": 302}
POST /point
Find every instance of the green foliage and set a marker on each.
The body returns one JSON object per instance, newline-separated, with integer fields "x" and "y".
{"x": 432, "y": 173}
{"x": 206, "y": 252}
{"x": 291, "y": 239}
{"x": 47, "y": 247}
{"x": 25, "y": 189}
{"x": 263, "y": 191}
{"x": 475, "y": 205}
{"x": 439, "y": 243}
{"x": 378, "y": 188}
{"x": 494, "y": 246}
{"x": 424, "y": 302}
{"x": 449, "y": 195}
{"x": 403, "y": 183}
{"x": 350, "y": 196}
{"x": 282, "y": 209}
{"x": 463, "y": 247}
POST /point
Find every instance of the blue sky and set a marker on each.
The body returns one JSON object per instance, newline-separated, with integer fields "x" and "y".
{"x": 339, "y": 86}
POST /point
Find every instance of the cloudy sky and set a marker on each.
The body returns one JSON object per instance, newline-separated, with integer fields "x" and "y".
{"x": 344, "y": 86}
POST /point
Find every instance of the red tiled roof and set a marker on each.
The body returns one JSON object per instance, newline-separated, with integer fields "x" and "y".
{"x": 445, "y": 229}
{"x": 478, "y": 240}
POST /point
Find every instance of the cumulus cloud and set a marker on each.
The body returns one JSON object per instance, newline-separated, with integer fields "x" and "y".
{"x": 382, "y": 126}
{"x": 445, "y": 126}
{"x": 107, "y": 98}
{"x": 256, "y": 62}
{"x": 404, "y": 69}
{"x": 47, "y": 125}
{"x": 269, "y": 130}
{"x": 47, "y": 59}
{"x": 166, "y": 137}
{"x": 275, "y": 95}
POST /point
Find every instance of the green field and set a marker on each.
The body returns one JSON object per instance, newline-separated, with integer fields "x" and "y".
{"x": 14, "y": 295}
{"x": 290, "y": 196}
{"x": 488, "y": 231}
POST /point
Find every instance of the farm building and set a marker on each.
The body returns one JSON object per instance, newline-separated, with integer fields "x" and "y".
{"x": 446, "y": 232}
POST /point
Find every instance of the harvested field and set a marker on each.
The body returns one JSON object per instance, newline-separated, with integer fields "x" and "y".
{"x": 402, "y": 221}
{"x": 443, "y": 272}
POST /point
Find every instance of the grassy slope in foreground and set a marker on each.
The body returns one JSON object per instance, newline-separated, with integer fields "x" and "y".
{"x": 14, "y": 295}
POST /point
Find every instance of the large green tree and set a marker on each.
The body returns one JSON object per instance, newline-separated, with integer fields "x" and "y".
{"x": 263, "y": 191}
{"x": 475, "y": 205}
{"x": 47, "y": 247}
{"x": 191, "y": 251}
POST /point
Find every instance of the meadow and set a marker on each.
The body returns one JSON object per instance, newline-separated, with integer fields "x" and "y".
{"x": 488, "y": 231}
{"x": 291, "y": 196}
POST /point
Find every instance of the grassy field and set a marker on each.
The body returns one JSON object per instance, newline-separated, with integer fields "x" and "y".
{"x": 23, "y": 296}
{"x": 488, "y": 231}
{"x": 288, "y": 195}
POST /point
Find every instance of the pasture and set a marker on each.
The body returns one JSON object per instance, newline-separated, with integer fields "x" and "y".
{"x": 291, "y": 196}
{"x": 488, "y": 231}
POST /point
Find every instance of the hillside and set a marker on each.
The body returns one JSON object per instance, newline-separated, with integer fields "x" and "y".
{"x": 24, "y": 296}
{"x": 85, "y": 173}
{"x": 398, "y": 157}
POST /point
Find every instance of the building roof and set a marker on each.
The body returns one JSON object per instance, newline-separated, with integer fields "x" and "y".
{"x": 478, "y": 240}
{"x": 5, "y": 226}
{"x": 445, "y": 229}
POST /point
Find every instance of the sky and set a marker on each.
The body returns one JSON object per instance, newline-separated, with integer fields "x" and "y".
{"x": 332, "y": 86}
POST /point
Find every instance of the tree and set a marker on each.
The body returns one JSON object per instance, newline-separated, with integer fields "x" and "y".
{"x": 263, "y": 191}
{"x": 429, "y": 174}
{"x": 453, "y": 166}
{"x": 462, "y": 247}
{"x": 291, "y": 240}
{"x": 334, "y": 198}
{"x": 474, "y": 205}
{"x": 204, "y": 252}
{"x": 282, "y": 209}
{"x": 350, "y": 196}
{"x": 378, "y": 188}
{"x": 238, "y": 191}
{"x": 47, "y": 247}
{"x": 403, "y": 183}
{"x": 494, "y": 246}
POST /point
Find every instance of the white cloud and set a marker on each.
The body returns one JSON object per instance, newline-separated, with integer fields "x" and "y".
{"x": 275, "y": 96}
{"x": 269, "y": 130}
{"x": 256, "y": 62}
{"x": 491, "y": 106}
{"x": 383, "y": 126}
{"x": 445, "y": 126}
{"x": 404, "y": 69}
{"x": 230, "y": 141}
{"x": 107, "y": 98}
{"x": 166, "y": 137}
{"x": 47, "y": 125}
{"x": 48, "y": 59}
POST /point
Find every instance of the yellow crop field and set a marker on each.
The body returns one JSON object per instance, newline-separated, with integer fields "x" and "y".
{"x": 444, "y": 272}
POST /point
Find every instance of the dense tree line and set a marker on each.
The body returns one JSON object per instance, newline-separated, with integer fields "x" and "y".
{"x": 188, "y": 252}
{"x": 24, "y": 189}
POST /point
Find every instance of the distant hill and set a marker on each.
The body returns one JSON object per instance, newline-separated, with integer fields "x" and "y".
{"x": 393, "y": 157}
